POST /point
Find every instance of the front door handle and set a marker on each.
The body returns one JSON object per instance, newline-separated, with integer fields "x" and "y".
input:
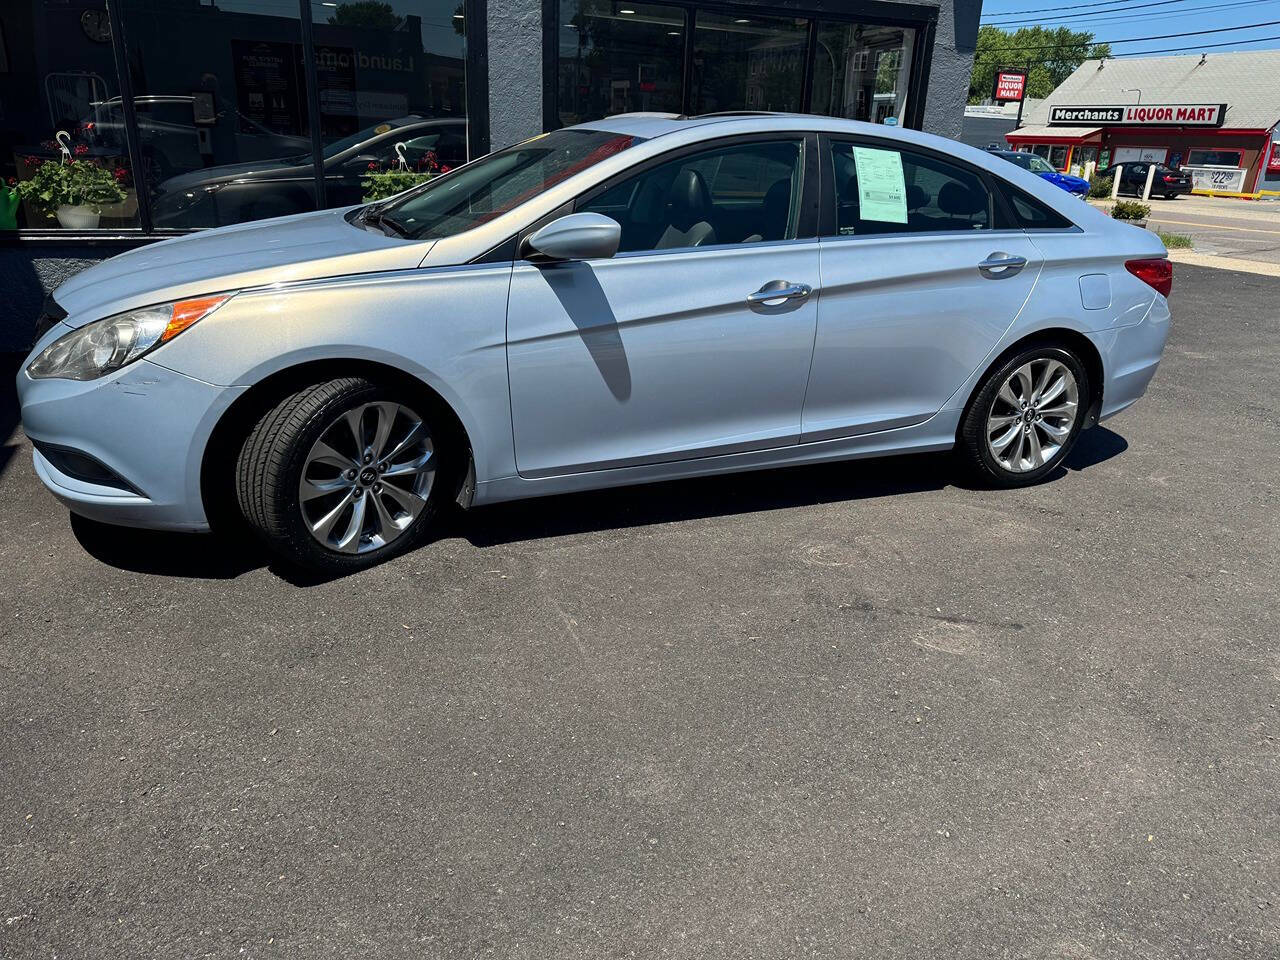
{"x": 1000, "y": 264}
{"x": 779, "y": 291}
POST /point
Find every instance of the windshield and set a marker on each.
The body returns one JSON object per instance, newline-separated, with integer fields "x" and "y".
{"x": 492, "y": 185}
{"x": 1029, "y": 161}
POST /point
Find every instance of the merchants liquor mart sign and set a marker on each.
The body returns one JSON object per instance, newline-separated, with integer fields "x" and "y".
{"x": 1141, "y": 115}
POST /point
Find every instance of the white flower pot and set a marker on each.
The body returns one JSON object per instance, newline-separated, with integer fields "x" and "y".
{"x": 78, "y": 218}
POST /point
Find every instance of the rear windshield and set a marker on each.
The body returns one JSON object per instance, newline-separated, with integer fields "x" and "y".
{"x": 492, "y": 185}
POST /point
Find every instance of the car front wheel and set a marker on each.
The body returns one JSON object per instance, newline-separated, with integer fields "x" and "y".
{"x": 1026, "y": 417}
{"x": 340, "y": 475}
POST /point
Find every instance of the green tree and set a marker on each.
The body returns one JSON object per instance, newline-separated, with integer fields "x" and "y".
{"x": 366, "y": 13}
{"x": 1052, "y": 54}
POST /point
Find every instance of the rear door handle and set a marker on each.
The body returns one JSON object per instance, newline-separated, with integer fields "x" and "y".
{"x": 778, "y": 291}
{"x": 1001, "y": 264}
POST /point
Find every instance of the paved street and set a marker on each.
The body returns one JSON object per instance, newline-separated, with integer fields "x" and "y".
{"x": 1246, "y": 230}
{"x": 850, "y": 711}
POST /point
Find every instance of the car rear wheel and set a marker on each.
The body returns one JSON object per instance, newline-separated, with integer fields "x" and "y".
{"x": 340, "y": 475}
{"x": 1025, "y": 417}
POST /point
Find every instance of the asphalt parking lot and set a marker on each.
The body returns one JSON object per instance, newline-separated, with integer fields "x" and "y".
{"x": 849, "y": 711}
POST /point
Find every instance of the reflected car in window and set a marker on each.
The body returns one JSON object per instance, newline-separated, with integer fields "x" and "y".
{"x": 641, "y": 298}
{"x": 233, "y": 193}
{"x": 170, "y": 138}
{"x": 1167, "y": 182}
{"x": 1076, "y": 186}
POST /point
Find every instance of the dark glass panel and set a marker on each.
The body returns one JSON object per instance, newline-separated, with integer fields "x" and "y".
{"x": 861, "y": 72}
{"x": 392, "y": 94}
{"x": 618, "y": 57}
{"x": 746, "y": 62}
{"x": 57, "y": 74}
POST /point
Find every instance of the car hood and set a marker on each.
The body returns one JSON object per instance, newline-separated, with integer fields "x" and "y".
{"x": 308, "y": 246}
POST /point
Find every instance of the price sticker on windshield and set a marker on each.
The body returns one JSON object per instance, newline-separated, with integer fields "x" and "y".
{"x": 882, "y": 190}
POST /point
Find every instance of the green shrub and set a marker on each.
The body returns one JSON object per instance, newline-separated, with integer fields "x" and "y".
{"x": 380, "y": 184}
{"x": 1130, "y": 210}
{"x": 1100, "y": 187}
{"x": 71, "y": 183}
{"x": 1174, "y": 241}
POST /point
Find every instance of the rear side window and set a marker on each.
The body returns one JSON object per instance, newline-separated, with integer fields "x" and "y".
{"x": 1031, "y": 214}
{"x": 880, "y": 189}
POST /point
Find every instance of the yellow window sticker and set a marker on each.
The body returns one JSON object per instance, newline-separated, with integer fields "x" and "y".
{"x": 382, "y": 128}
{"x": 882, "y": 191}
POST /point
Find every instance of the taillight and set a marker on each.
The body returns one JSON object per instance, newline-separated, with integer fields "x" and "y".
{"x": 1169, "y": 178}
{"x": 1156, "y": 272}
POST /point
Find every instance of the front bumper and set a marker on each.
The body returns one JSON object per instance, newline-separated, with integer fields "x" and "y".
{"x": 144, "y": 423}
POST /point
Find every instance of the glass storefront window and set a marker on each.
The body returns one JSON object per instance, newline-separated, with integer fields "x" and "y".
{"x": 223, "y": 118}
{"x": 861, "y": 72}
{"x": 746, "y": 62}
{"x": 221, "y": 100}
{"x": 57, "y": 95}
{"x": 1213, "y": 158}
{"x": 391, "y": 79}
{"x": 618, "y": 57}
{"x": 1058, "y": 156}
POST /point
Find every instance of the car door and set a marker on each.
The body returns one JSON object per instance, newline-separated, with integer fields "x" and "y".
{"x": 695, "y": 339}
{"x": 918, "y": 285}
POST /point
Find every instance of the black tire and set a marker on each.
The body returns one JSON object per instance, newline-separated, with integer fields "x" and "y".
{"x": 270, "y": 464}
{"x": 1171, "y": 196}
{"x": 972, "y": 447}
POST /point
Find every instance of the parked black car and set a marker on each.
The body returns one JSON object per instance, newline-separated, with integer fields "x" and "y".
{"x": 235, "y": 192}
{"x": 1167, "y": 183}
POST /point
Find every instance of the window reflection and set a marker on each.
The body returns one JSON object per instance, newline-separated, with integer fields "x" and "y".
{"x": 58, "y": 132}
{"x": 618, "y": 57}
{"x": 391, "y": 79}
{"x": 748, "y": 62}
{"x": 223, "y": 118}
{"x": 861, "y": 72}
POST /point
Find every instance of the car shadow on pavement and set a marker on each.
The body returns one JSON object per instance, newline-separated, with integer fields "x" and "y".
{"x": 201, "y": 556}
{"x": 9, "y": 363}
{"x": 221, "y": 557}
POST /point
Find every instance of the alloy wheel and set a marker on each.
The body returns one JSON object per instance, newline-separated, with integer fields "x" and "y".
{"x": 1033, "y": 415}
{"x": 367, "y": 477}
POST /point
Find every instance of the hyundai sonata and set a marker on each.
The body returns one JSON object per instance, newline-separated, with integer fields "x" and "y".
{"x": 635, "y": 299}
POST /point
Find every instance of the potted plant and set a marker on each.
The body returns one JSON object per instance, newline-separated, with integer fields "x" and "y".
{"x": 1131, "y": 211}
{"x": 72, "y": 190}
{"x": 379, "y": 184}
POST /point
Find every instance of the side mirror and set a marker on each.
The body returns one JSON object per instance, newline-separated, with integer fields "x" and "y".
{"x": 579, "y": 236}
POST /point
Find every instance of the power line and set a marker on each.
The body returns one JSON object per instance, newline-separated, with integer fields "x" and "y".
{"x": 1072, "y": 6}
{"x": 1202, "y": 46}
{"x": 1161, "y": 36}
{"x": 1111, "y": 4}
{"x": 1099, "y": 16}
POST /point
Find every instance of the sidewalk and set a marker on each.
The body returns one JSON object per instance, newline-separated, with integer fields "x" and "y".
{"x": 1227, "y": 233}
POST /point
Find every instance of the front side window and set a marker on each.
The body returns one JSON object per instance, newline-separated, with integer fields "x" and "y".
{"x": 745, "y": 193}
{"x": 500, "y": 182}
{"x": 880, "y": 189}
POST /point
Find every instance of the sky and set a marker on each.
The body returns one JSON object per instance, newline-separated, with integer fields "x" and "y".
{"x": 1117, "y": 20}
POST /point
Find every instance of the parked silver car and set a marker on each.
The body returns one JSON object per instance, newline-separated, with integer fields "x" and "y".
{"x": 640, "y": 298}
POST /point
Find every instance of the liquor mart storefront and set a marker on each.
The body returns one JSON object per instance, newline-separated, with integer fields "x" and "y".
{"x": 1214, "y": 116}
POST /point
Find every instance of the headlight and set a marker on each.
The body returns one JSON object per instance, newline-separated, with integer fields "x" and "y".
{"x": 99, "y": 348}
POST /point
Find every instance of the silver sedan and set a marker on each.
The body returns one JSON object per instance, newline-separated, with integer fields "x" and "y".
{"x": 636, "y": 299}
